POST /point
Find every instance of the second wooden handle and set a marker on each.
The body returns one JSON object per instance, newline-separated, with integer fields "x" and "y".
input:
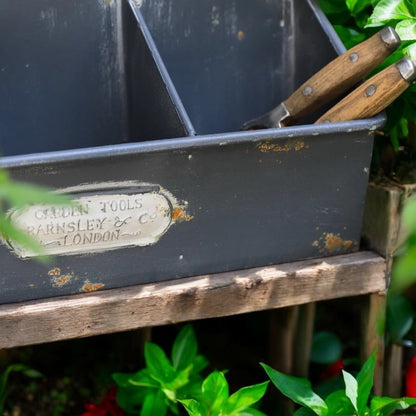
{"x": 374, "y": 95}
{"x": 341, "y": 74}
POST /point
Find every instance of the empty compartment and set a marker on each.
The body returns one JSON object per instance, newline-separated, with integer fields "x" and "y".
{"x": 232, "y": 60}
{"x": 76, "y": 73}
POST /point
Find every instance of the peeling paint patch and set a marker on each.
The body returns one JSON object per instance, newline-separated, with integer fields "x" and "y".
{"x": 91, "y": 287}
{"x": 330, "y": 243}
{"x": 294, "y": 145}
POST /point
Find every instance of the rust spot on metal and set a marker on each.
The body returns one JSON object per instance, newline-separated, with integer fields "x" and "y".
{"x": 240, "y": 34}
{"x": 268, "y": 146}
{"x": 60, "y": 281}
{"x": 179, "y": 214}
{"x": 336, "y": 243}
{"x": 91, "y": 287}
{"x": 330, "y": 243}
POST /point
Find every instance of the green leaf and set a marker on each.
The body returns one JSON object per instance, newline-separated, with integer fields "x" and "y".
{"x": 333, "y": 7}
{"x": 349, "y": 36}
{"x": 251, "y": 412}
{"x": 131, "y": 399}
{"x": 184, "y": 348}
{"x": 193, "y": 407}
{"x": 409, "y": 214}
{"x": 20, "y": 194}
{"x": 297, "y": 389}
{"x": 406, "y": 29}
{"x": 339, "y": 404}
{"x": 365, "y": 379}
{"x": 410, "y": 51}
{"x": 245, "y": 397}
{"x": 351, "y": 389}
{"x": 200, "y": 363}
{"x": 326, "y": 348}
{"x": 181, "y": 379}
{"x": 304, "y": 411}
{"x": 154, "y": 404}
{"x": 32, "y": 373}
{"x": 192, "y": 389}
{"x": 356, "y": 6}
{"x": 140, "y": 379}
{"x": 158, "y": 364}
{"x": 404, "y": 271}
{"x": 387, "y": 11}
{"x": 4, "y": 377}
{"x": 14, "y": 235}
{"x": 400, "y": 317}
{"x": 385, "y": 406}
{"x": 215, "y": 391}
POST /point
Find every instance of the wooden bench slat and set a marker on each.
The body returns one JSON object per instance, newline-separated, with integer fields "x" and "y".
{"x": 188, "y": 299}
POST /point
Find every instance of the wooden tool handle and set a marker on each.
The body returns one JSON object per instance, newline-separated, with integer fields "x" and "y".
{"x": 341, "y": 74}
{"x": 374, "y": 95}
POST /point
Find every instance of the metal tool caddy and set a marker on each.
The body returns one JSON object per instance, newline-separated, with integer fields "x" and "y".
{"x": 135, "y": 108}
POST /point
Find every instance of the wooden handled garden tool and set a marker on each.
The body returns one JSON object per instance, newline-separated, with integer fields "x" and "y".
{"x": 375, "y": 94}
{"x": 331, "y": 81}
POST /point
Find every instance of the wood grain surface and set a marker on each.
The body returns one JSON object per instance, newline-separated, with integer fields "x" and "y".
{"x": 188, "y": 299}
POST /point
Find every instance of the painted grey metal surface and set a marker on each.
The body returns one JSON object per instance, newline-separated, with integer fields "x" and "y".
{"x": 78, "y": 73}
{"x": 234, "y": 199}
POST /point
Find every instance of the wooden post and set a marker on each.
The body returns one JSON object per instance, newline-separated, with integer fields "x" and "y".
{"x": 393, "y": 375}
{"x": 304, "y": 337}
{"x": 374, "y": 318}
{"x": 383, "y": 232}
{"x": 283, "y": 325}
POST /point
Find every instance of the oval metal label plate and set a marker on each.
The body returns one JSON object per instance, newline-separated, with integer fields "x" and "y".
{"x": 94, "y": 223}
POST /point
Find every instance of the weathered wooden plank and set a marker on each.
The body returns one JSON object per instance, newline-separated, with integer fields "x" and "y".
{"x": 187, "y": 299}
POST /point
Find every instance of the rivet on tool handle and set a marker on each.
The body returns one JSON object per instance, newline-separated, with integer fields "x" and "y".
{"x": 335, "y": 78}
{"x": 352, "y": 67}
{"x": 374, "y": 95}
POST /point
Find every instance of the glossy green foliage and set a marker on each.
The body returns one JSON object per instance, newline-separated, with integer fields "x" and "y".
{"x": 174, "y": 385}
{"x": 404, "y": 267}
{"x": 214, "y": 399}
{"x": 354, "y": 399}
{"x": 156, "y": 389}
{"x": 400, "y": 316}
{"x": 4, "y": 378}
{"x": 17, "y": 195}
{"x": 357, "y": 20}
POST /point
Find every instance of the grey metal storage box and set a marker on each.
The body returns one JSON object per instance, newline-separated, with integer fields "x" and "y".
{"x": 134, "y": 108}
